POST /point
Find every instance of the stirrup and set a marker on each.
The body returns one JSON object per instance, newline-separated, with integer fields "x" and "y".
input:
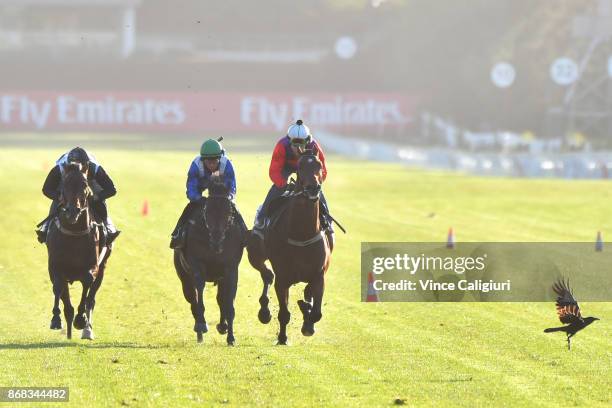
{"x": 111, "y": 237}
{"x": 41, "y": 235}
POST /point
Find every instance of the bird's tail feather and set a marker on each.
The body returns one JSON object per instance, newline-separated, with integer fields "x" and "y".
{"x": 553, "y": 329}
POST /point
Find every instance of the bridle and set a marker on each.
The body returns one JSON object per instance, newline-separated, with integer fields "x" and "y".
{"x": 230, "y": 221}
{"x": 311, "y": 192}
{"x": 62, "y": 209}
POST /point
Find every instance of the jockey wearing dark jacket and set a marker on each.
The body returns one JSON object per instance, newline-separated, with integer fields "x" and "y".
{"x": 99, "y": 181}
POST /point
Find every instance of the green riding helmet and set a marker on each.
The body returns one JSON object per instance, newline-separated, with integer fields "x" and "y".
{"x": 211, "y": 149}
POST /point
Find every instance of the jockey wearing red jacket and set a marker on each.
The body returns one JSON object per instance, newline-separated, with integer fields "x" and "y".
{"x": 284, "y": 163}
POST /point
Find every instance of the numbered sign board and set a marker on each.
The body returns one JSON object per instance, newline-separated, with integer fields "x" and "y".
{"x": 503, "y": 75}
{"x": 345, "y": 47}
{"x": 564, "y": 71}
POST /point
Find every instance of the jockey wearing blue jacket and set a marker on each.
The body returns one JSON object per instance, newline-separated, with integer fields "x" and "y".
{"x": 212, "y": 161}
{"x": 200, "y": 173}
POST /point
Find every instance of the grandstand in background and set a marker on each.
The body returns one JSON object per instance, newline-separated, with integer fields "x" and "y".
{"x": 346, "y": 58}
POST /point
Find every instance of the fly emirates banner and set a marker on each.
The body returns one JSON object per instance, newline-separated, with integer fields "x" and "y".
{"x": 198, "y": 111}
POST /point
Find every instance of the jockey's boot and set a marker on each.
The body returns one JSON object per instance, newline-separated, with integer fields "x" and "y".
{"x": 111, "y": 230}
{"x": 41, "y": 232}
{"x": 329, "y": 232}
{"x": 327, "y": 226}
{"x": 259, "y": 224}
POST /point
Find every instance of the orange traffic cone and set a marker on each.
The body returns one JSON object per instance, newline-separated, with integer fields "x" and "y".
{"x": 145, "y": 208}
{"x": 372, "y": 295}
{"x": 450, "y": 239}
{"x": 599, "y": 242}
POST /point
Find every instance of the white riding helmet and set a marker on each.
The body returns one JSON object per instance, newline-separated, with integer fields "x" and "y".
{"x": 299, "y": 131}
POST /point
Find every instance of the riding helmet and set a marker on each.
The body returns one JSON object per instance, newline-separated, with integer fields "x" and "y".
{"x": 299, "y": 131}
{"x": 211, "y": 149}
{"x": 79, "y": 155}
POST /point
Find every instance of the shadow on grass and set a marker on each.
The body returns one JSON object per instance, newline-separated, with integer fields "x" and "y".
{"x": 68, "y": 343}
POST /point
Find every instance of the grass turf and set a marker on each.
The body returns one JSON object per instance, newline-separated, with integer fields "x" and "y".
{"x": 363, "y": 354}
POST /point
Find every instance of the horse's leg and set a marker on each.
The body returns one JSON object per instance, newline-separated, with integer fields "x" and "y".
{"x": 81, "y": 318}
{"x": 282, "y": 293}
{"x": 257, "y": 259}
{"x": 306, "y": 304}
{"x": 90, "y": 304}
{"x": 222, "y": 326}
{"x": 318, "y": 287}
{"x": 190, "y": 292}
{"x": 197, "y": 308}
{"x": 91, "y": 298}
{"x": 58, "y": 286}
{"x": 229, "y": 288}
{"x": 68, "y": 310}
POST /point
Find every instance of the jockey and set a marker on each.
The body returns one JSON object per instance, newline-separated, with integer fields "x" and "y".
{"x": 284, "y": 162}
{"x": 100, "y": 183}
{"x": 211, "y": 161}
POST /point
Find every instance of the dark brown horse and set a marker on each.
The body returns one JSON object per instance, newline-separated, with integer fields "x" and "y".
{"x": 76, "y": 253}
{"x": 298, "y": 250}
{"x": 212, "y": 253}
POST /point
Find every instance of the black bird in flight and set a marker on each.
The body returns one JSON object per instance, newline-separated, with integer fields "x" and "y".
{"x": 569, "y": 312}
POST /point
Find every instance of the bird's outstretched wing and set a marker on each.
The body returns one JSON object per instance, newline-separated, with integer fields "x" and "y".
{"x": 567, "y": 306}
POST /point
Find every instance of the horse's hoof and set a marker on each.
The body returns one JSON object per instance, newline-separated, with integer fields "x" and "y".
{"x": 80, "y": 321}
{"x": 222, "y": 328}
{"x": 231, "y": 342}
{"x": 201, "y": 327}
{"x": 56, "y": 323}
{"x": 200, "y": 337}
{"x": 308, "y": 330}
{"x": 87, "y": 334}
{"x": 264, "y": 316}
{"x": 282, "y": 342}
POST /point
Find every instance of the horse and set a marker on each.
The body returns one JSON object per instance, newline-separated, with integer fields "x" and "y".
{"x": 77, "y": 251}
{"x": 298, "y": 250}
{"x": 212, "y": 253}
